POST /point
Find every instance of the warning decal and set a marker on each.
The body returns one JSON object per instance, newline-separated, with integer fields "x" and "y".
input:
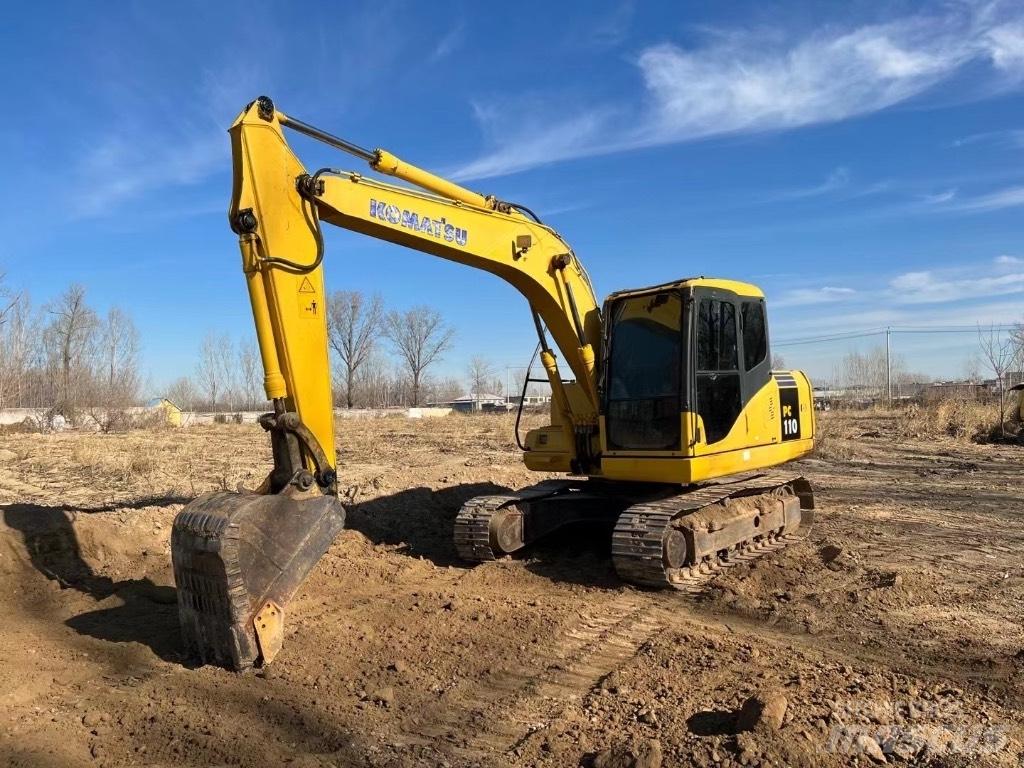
{"x": 308, "y": 303}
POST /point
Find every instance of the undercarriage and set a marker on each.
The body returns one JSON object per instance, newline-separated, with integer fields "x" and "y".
{"x": 662, "y": 536}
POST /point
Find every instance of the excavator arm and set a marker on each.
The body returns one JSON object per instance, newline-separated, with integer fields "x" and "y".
{"x": 277, "y": 209}
{"x": 240, "y": 557}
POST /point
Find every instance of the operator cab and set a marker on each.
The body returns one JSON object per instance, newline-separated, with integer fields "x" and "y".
{"x": 682, "y": 362}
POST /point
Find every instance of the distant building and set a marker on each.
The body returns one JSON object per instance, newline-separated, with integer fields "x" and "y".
{"x": 171, "y": 412}
{"x": 960, "y": 390}
{"x": 485, "y": 401}
{"x": 530, "y": 401}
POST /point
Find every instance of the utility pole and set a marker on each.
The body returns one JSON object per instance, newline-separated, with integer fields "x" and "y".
{"x": 888, "y": 366}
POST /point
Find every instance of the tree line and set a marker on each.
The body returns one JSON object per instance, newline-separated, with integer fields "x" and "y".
{"x": 998, "y": 359}
{"x": 64, "y": 359}
{"x": 379, "y": 359}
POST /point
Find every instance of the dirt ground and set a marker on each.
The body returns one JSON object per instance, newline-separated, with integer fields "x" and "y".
{"x": 906, "y": 646}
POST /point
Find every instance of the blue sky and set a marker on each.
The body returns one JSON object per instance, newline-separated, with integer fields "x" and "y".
{"x": 861, "y": 161}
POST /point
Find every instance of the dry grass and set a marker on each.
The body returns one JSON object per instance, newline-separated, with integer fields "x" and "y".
{"x": 835, "y": 435}
{"x": 965, "y": 420}
{"x": 840, "y": 432}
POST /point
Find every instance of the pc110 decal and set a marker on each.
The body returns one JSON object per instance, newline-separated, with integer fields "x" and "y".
{"x": 789, "y": 399}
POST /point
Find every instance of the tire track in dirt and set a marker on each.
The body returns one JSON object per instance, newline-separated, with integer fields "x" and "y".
{"x": 498, "y": 713}
{"x": 503, "y": 711}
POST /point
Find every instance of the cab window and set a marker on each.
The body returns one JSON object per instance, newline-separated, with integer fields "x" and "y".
{"x": 645, "y": 372}
{"x": 755, "y": 335}
{"x": 718, "y": 376}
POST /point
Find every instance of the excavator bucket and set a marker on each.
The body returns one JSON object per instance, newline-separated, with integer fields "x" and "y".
{"x": 238, "y": 560}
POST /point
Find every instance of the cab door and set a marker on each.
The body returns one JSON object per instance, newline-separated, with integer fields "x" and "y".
{"x": 731, "y": 367}
{"x": 718, "y": 384}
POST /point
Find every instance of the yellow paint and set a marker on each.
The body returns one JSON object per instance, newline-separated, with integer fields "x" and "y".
{"x": 390, "y": 165}
{"x": 754, "y": 442}
{"x": 291, "y": 325}
{"x": 446, "y": 220}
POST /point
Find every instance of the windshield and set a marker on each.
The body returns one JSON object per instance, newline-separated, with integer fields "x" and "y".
{"x": 644, "y": 373}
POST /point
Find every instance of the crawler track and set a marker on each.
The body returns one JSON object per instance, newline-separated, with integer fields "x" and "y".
{"x": 642, "y": 533}
{"x": 473, "y": 526}
{"x": 476, "y": 537}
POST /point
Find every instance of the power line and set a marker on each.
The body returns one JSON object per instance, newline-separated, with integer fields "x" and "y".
{"x": 842, "y": 336}
{"x": 953, "y": 328}
{"x": 830, "y": 337}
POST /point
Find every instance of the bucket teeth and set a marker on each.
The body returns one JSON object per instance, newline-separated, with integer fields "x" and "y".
{"x": 235, "y": 552}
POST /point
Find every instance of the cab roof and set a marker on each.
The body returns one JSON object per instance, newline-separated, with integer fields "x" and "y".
{"x": 737, "y": 287}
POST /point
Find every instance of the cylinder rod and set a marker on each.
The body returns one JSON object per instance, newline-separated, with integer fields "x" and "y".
{"x": 327, "y": 138}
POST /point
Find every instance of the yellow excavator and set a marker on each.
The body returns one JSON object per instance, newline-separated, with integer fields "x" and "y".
{"x": 664, "y": 420}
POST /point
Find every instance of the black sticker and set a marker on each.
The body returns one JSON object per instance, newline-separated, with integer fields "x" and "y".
{"x": 789, "y": 398}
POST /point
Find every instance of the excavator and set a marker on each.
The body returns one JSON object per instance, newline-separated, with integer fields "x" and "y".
{"x": 666, "y": 417}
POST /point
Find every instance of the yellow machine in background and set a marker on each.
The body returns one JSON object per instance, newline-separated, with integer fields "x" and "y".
{"x": 665, "y": 415}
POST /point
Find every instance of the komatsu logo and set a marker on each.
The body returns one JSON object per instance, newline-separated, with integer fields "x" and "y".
{"x": 439, "y": 228}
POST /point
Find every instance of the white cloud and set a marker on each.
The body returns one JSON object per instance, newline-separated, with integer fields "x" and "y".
{"x": 857, "y": 317}
{"x": 952, "y": 289}
{"x": 939, "y": 198}
{"x": 837, "y": 180}
{"x": 739, "y": 83}
{"x": 538, "y": 142}
{"x": 158, "y": 141}
{"x": 1012, "y": 137}
{"x": 606, "y": 30}
{"x": 1006, "y": 43}
{"x": 1010, "y": 197}
{"x": 806, "y": 296}
{"x": 731, "y": 88}
{"x": 128, "y": 164}
{"x": 448, "y": 43}
{"x": 928, "y": 286}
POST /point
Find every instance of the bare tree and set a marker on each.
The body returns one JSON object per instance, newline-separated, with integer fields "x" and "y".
{"x": 1017, "y": 339}
{"x": 7, "y": 300}
{"x": 481, "y": 374}
{"x": 1000, "y": 355}
{"x": 445, "y": 390}
{"x": 354, "y": 324}
{"x": 119, "y": 356}
{"x": 420, "y": 337}
{"x": 70, "y": 340}
{"x": 17, "y": 333}
{"x": 972, "y": 369}
{"x": 182, "y": 393}
{"x": 250, "y": 374}
{"x": 374, "y": 386}
{"x": 534, "y": 388}
{"x": 215, "y": 370}
{"x": 114, "y": 380}
{"x": 867, "y": 371}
